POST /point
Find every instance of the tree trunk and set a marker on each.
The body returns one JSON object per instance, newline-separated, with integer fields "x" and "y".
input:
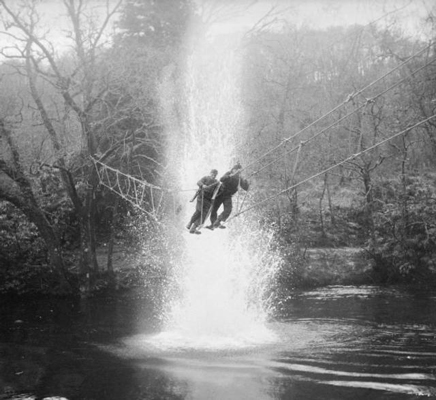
{"x": 88, "y": 247}
{"x": 329, "y": 198}
{"x": 111, "y": 244}
{"x": 403, "y": 196}
{"x": 366, "y": 176}
{"x": 321, "y": 216}
{"x": 17, "y": 189}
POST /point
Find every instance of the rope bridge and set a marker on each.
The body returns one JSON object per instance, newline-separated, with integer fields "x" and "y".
{"x": 145, "y": 196}
{"x": 151, "y": 199}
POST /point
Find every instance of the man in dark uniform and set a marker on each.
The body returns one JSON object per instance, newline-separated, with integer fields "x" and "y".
{"x": 204, "y": 195}
{"x": 230, "y": 182}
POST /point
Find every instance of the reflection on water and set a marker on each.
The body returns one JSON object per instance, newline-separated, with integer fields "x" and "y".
{"x": 333, "y": 343}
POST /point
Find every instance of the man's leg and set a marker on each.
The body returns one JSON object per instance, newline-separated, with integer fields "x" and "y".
{"x": 194, "y": 217}
{"x": 214, "y": 212}
{"x": 194, "y": 227}
{"x": 207, "y": 204}
{"x": 227, "y": 204}
{"x": 197, "y": 212}
{"x": 201, "y": 217}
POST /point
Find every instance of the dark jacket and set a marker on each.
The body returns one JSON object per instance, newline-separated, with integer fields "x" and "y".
{"x": 230, "y": 184}
{"x": 210, "y": 183}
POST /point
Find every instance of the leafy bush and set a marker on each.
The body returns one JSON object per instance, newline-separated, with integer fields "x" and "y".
{"x": 19, "y": 239}
{"x": 405, "y": 244}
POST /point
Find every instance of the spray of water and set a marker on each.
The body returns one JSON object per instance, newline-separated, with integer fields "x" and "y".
{"x": 223, "y": 275}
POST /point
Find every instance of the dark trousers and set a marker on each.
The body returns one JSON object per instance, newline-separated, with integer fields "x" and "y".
{"x": 226, "y": 201}
{"x": 201, "y": 210}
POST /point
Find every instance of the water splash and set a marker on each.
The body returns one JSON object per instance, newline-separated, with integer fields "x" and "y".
{"x": 224, "y": 275}
{"x": 222, "y": 304}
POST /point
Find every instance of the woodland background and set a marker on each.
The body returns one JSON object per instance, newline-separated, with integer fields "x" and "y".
{"x": 360, "y": 173}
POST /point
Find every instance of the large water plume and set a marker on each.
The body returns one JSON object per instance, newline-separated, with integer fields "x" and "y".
{"x": 224, "y": 275}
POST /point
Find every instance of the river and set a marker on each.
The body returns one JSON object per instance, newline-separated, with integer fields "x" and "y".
{"x": 338, "y": 342}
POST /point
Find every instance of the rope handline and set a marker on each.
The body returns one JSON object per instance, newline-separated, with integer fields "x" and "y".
{"x": 342, "y": 118}
{"x": 353, "y": 156}
{"x": 349, "y": 98}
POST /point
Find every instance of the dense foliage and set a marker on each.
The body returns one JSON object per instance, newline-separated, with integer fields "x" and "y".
{"x": 404, "y": 249}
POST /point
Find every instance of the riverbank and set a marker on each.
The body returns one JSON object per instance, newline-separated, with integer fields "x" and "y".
{"x": 322, "y": 266}
{"x": 336, "y": 266}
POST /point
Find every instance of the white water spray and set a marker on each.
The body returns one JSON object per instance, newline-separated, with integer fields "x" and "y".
{"x": 224, "y": 274}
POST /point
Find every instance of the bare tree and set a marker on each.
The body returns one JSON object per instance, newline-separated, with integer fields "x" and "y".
{"x": 78, "y": 86}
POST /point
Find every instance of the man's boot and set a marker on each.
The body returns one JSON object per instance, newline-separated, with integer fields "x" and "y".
{"x": 211, "y": 226}
{"x": 194, "y": 229}
{"x": 217, "y": 224}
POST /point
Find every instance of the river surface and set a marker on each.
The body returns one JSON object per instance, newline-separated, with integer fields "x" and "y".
{"x": 339, "y": 342}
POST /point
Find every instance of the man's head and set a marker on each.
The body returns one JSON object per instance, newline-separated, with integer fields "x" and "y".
{"x": 236, "y": 167}
{"x": 213, "y": 173}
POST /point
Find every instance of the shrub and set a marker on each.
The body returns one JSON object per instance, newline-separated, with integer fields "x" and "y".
{"x": 404, "y": 249}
